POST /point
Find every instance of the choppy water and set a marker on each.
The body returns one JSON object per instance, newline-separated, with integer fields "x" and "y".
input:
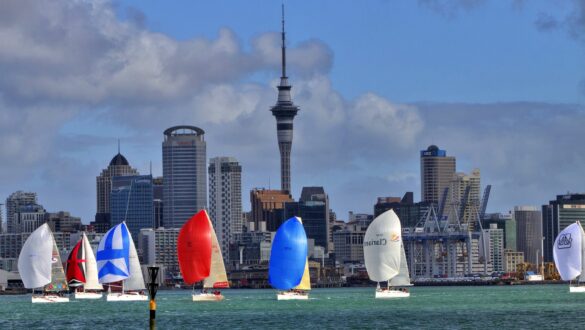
{"x": 488, "y": 307}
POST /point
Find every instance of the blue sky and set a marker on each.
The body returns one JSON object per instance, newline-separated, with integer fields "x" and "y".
{"x": 498, "y": 84}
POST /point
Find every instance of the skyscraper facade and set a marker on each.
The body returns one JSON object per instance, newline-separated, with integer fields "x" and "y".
{"x": 557, "y": 215}
{"x": 267, "y": 208}
{"x": 14, "y": 202}
{"x": 131, "y": 201}
{"x": 436, "y": 172}
{"x": 285, "y": 112}
{"x": 118, "y": 166}
{"x": 528, "y": 232}
{"x": 225, "y": 199}
{"x": 184, "y": 174}
{"x": 464, "y": 198}
{"x": 313, "y": 208}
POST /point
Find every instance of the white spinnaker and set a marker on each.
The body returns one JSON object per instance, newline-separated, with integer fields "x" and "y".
{"x": 382, "y": 247}
{"x": 567, "y": 252}
{"x": 217, "y": 273}
{"x": 136, "y": 280}
{"x": 34, "y": 261}
{"x": 403, "y": 278}
{"x": 91, "y": 272}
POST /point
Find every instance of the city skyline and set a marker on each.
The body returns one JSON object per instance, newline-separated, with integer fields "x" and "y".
{"x": 516, "y": 117}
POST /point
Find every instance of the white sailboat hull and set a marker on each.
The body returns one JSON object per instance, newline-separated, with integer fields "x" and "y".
{"x": 126, "y": 296}
{"x": 48, "y": 299}
{"x": 288, "y": 295}
{"x": 386, "y": 294}
{"x": 207, "y": 297}
{"x": 88, "y": 295}
{"x": 576, "y": 289}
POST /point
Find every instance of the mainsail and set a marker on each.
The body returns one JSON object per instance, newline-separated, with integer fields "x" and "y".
{"x": 113, "y": 255}
{"x": 135, "y": 281}
{"x": 91, "y": 272}
{"x": 217, "y": 276}
{"x": 568, "y": 252}
{"x": 382, "y": 247}
{"x": 403, "y": 278}
{"x": 34, "y": 261}
{"x": 76, "y": 265}
{"x": 58, "y": 281}
{"x": 288, "y": 256}
{"x": 194, "y": 248}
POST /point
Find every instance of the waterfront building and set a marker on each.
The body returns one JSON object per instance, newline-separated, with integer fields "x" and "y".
{"x": 268, "y": 208}
{"x": 250, "y": 248}
{"x": 436, "y": 173}
{"x": 131, "y": 201}
{"x": 118, "y": 166}
{"x": 504, "y": 221}
{"x": 349, "y": 243}
{"x": 159, "y": 247}
{"x": 512, "y": 259}
{"x": 225, "y": 200}
{"x": 313, "y": 209}
{"x": 409, "y": 212}
{"x": 184, "y": 174}
{"x": 284, "y": 111}
{"x": 13, "y": 204}
{"x": 557, "y": 215}
{"x": 529, "y": 232}
{"x": 495, "y": 243}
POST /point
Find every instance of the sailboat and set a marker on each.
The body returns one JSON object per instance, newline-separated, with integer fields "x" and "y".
{"x": 39, "y": 265}
{"x": 385, "y": 257}
{"x": 569, "y": 255}
{"x": 200, "y": 258}
{"x": 82, "y": 271}
{"x": 288, "y": 269}
{"x": 117, "y": 260}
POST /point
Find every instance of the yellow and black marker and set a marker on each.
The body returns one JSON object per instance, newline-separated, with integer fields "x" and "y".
{"x": 152, "y": 288}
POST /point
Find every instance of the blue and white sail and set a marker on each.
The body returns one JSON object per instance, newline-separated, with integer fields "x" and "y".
{"x": 113, "y": 255}
{"x": 288, "y": 255}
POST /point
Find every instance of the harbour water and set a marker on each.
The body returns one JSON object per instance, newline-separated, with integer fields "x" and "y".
{"x": 486, "y": 307}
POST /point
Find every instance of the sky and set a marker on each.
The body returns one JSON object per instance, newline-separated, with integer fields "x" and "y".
{"x": 499, "y": 84}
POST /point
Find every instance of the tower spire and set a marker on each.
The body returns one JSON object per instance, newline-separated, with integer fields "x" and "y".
{"x": 283, "y": 46}
{"x": 118, "y": 145}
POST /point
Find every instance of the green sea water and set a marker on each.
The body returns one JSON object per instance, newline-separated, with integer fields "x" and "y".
{"x": 486, "y": 307}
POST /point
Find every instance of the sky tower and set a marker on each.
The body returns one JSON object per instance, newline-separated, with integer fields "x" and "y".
{"x": 285, "y": 112}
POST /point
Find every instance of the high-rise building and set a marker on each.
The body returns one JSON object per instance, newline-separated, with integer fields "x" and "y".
{"x": 184, "y": 174}
{"x": 157, "y": 201}
{"x": 131, "y": 201}
{"x": 29, "y": 218}
{"x": 557, "y": 215}
{"x": 436, "y": 172}
{"x": 285, "y": 112}
{"x": 313, "y": 208}
{"x": 464, "y": 198}
{"x": 268, "y": 208}
{"x": 13, "y": 204}
{"x": 225, "y": 200}
{"x": 63, "y": 222}
{"x": 159, "y": 247}
{"x": 495, "y": 243}
{"x": 529, "y": 232}
{"x": 118, "y": 166}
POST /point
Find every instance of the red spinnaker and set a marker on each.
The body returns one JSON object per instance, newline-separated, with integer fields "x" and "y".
{"x": 75, "y": 270}
{"x": 194, "y": 248}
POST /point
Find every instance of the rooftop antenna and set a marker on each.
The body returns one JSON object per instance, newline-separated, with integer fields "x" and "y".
{"x": 151, "y": 168}
{"x": 268, "y": 183}
{"x": 118, "y": 145}
{"x": 283, "y": 45}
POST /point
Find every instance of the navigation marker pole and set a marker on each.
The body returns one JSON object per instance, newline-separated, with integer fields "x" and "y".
{"x": 152, "y": 288}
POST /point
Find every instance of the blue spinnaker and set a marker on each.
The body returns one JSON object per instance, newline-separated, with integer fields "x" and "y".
{"x": 288, "y": 255}
{"x": 113, "y": 255}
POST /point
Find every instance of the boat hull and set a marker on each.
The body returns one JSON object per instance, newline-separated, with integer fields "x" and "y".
{"x": 292, "y": 296}
{"x": 388, "y": 294}
{"x": 48, "y": 299}
{"x": 88, "y": 295}
{"x": 576, "y": 289}
{"x": 126, "y": 297}
{"x": 207, "y": 297}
